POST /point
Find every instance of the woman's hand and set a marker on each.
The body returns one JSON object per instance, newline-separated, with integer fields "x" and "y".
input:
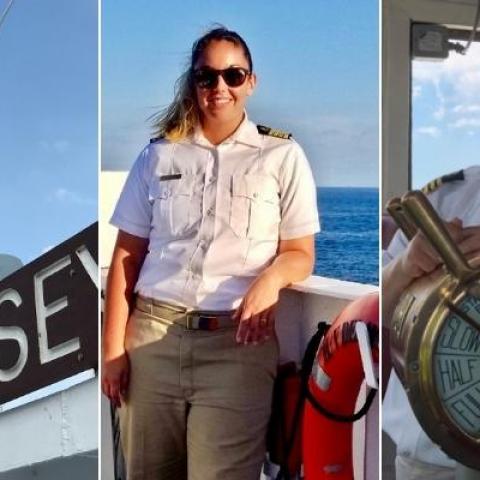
{"x": 115, "y": 378}
{"x": 420, "y": 258}
{"x": 470, "y": 243}
{"x": 256, "y": 313}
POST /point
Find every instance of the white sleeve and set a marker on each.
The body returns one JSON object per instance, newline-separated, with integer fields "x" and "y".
{"x": 398, "y": 244}
{"x": 133, "y": 212}
{"x": 298, "y": 197}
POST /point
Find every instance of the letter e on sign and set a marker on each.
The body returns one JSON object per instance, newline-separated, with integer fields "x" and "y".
{"x": 44, "y": 311}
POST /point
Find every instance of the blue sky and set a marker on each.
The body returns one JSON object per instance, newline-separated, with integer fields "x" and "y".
{"x": 316, "y": 61}
{"x": 446, "y": 115}
{"x": 317, "y": 69}
{"x": 48, "y": 123}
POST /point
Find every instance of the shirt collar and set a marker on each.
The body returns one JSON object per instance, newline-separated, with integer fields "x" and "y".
{"x": 246, "y": 133}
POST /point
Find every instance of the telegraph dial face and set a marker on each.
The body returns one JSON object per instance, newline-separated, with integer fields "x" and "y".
{"x": 456, "y": 365}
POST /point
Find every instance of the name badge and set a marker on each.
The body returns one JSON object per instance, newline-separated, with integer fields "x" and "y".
{"x": 175, "y": 176}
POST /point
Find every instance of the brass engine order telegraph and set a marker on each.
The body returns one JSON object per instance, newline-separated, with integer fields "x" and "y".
{"x": 435, "y": 337}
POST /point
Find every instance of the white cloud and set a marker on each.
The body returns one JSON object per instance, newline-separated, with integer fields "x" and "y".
{"x": 59, "y": 146}
{"x": 456, "y": 81}
{"x": 416, "y": 91}
{"x": 465, "y": 122}
{"x": 462, "y": 108}
{"x": 461, "y": 71}
{"x": 432, "y": 131}
{"x": 68, "y": 196}
{"x": 440, "y": 111}
{"x": 47, "y": 249}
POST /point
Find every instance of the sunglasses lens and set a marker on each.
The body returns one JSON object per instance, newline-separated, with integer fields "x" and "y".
{"x": 206, "y": 78}
{"x": 234, "y": 77}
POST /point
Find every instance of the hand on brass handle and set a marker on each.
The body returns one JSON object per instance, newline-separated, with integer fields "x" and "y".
{"x": 420, "y": 258}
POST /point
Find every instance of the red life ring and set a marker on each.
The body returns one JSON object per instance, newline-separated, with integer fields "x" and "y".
{"x": 334, "y": 385}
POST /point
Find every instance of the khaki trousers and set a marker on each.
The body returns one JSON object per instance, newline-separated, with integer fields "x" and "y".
{"x": 409, "y": 469}
{"x": 198, "y": 404}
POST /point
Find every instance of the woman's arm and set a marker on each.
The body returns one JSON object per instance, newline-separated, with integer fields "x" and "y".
{"x": 294, "y": 262}
{"x": 128, "y": 256}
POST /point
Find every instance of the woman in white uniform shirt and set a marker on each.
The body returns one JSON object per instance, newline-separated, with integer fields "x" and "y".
{"x": 216, "y": 217}
{"x": 458, "y": 203}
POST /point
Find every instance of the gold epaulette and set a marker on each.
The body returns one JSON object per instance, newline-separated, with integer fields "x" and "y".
{"x": 272, "y": 132}
{"x": 430, "y": 187}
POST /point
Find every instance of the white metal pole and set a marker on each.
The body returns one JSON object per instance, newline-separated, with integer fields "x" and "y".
{"x": 5, "y": 12}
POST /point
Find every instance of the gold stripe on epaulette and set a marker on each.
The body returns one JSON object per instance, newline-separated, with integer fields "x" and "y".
{"x": 434, "y": 185}
{"x": 273, "y": 132}
{"x": 430, "y": 187}
{"x": 279, "y": 134}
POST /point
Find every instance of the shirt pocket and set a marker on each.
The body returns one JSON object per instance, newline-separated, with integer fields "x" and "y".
{"x": 255, "y": 207}
{"x": 177, "y": 206}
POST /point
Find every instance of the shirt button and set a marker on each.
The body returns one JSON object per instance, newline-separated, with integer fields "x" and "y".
{"x": 210, "y": 212}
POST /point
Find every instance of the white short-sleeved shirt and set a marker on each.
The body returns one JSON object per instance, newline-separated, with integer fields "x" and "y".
{"x": 214, "y": 214}
{"x": 460, "y": 199}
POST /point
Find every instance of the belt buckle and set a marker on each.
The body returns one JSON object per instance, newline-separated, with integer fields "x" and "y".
{"x": 201, "y": 322}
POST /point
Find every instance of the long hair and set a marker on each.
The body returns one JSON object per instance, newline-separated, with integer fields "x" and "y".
{"x": 179, "y": 119}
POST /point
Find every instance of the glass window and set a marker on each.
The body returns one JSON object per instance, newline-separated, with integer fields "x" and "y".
{"x": 445, "y": 113}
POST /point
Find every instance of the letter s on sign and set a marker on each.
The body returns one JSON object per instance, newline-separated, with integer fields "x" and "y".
{"x": 13, "y": 333}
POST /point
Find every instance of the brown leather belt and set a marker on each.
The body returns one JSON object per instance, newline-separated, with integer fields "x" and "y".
{"x": 189, "y": 319}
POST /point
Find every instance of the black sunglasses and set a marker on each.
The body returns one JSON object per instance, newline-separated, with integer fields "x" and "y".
{"x": 206, "y": 77}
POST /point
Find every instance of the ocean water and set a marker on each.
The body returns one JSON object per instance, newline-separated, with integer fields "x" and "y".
{"x": 347, "y": 246}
